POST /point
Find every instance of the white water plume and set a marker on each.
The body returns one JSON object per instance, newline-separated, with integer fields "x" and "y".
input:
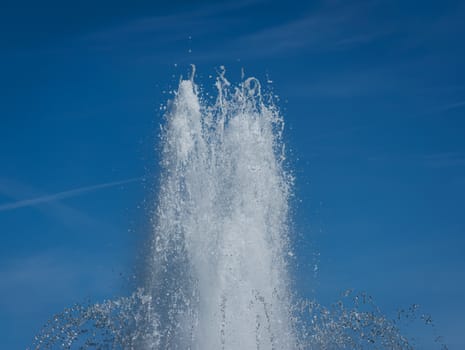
{"x": 218, "y": 271}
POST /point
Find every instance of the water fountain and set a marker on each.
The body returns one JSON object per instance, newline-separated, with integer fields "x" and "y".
{"x": 217, "y": 273}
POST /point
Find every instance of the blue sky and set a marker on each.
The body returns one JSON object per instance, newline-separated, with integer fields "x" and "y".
{"x": 373, "y": 95}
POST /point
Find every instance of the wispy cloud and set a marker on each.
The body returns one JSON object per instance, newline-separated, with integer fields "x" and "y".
{"x": 454, "y": 106}
{"x": 217, "y": 32}
{"x": 328, "y": 28}
{"x": 62, "y": 195}
{"x": 161, "y": 35}
{"x": 444, "y": 159}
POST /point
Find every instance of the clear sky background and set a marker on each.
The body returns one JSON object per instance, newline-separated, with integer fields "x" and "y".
{"x": 373, "y": 94}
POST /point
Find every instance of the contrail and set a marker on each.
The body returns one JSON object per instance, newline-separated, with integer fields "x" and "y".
{"x": 62, "y": 195}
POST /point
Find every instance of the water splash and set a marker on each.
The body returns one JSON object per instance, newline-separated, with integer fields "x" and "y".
{"x": 217, "y": 272}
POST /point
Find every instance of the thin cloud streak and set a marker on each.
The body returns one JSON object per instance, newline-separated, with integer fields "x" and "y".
{"x": 63, "y": 195}
{"x": 454, "y": 106}
{"x": 328, "y": 28}
{"x": 324, "y": 29}
{"x": 159, "y": 31}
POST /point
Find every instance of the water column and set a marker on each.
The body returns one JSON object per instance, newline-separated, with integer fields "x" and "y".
{"x": 219, "y": 278}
